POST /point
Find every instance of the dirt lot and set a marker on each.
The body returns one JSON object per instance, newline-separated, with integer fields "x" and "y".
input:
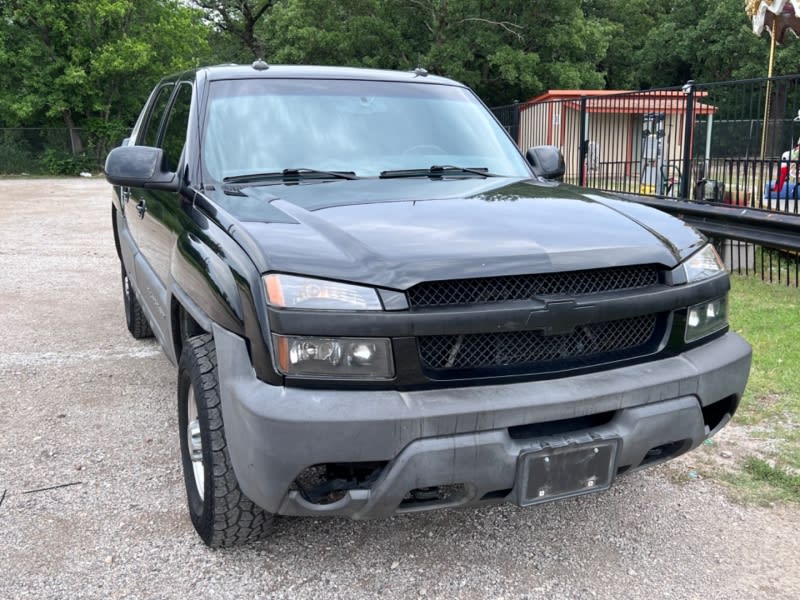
{"x": 87, "y": 408}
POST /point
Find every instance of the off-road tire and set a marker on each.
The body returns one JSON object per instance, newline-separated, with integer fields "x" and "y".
{"x": 135, "y": 318}
{"x": 223, "y": 515}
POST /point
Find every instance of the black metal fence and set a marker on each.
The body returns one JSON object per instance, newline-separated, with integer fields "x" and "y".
{"x": 734, "y": 144}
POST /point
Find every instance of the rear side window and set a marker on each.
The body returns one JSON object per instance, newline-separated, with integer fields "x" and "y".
{"x": 149, "y": 132}
{"x": 177, "y": 124}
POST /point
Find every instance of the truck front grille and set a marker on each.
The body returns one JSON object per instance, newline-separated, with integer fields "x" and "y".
{"x": 535, "y": 352}
{"x": 525, "y": 287}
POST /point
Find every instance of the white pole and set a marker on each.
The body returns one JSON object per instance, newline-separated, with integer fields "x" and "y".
{"x": 709, "y": 127}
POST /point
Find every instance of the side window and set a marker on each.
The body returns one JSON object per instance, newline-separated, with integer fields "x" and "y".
{"x": 177, "y": 124}
{"x": 148, "y": 136}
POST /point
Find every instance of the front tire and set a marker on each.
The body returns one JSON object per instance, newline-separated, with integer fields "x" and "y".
{"x": 221, "y": 513}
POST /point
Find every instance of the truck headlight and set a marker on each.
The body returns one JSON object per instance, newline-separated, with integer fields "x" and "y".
{"x": 706, "y": 318}
{"x": 291, "y": 291}
{"x": 306, "y": 356}
{"x": 703, "y": 264}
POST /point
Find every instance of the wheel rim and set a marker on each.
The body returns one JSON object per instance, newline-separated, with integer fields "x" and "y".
{"x": 194, "y": 443}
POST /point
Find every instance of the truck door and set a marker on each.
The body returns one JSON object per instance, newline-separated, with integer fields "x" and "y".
{"x": 161, "y": 216}
{"x": 130, "y": 224}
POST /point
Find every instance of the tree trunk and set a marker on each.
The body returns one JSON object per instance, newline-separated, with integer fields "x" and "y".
{"x": 75, "y": 141}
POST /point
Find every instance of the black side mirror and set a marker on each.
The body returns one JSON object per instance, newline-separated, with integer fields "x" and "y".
{"x": 139, "y": 166}
{"x": 547, "y": 162}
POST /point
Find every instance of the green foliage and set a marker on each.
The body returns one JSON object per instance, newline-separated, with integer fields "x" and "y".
{"x": 89, "y": 64}
{"x": 761, "y": 483}
{"x": 513, "y": 49}
{"x": 707, "y": 41}
{"x": 766, "y": 316}
{"x": 762, "y": 471}
{"x": 505, "y": 50}
{"x": 357, "y": 33}
{"x": 237, "y": 21}
{"x": 630, "y": 23}
{"x": 15, "y": 155}
{"x": 60, "y": 162}
{"x": 82, "y": 62}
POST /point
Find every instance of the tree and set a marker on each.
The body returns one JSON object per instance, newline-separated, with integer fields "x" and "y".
{"x": 90, "y": 63}
{"x": 506, "y": 49}
{"x": 238, "y": 18}
{"x": 87, "y": 64}
{"x": 356, "y": 33}
{"x": 571, "y": 44}
{"x": 629, "y": 22}
{"x": 707, "y": 41}
{"x": 482, "y": 44}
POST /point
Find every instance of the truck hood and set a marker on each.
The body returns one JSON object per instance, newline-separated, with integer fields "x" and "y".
{"x": 394, "y": 233}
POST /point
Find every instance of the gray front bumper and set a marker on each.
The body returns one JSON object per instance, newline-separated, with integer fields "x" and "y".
{"x": 458, "y": 435}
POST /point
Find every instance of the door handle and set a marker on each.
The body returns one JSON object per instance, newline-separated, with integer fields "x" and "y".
{"x": 141, "y": 208}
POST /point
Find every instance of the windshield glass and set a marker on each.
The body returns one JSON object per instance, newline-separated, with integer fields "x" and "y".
{"x": 361, "y": 127}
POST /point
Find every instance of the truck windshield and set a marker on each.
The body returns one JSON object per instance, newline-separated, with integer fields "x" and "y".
{"x": 361, "y": 127}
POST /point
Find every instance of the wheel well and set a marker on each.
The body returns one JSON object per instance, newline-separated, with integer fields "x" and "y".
{"x": 183, "y": 327}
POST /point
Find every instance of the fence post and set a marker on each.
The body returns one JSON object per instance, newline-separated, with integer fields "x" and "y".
{"x": 583, "y": 147}
{"x": 688, "y": 132}
{"x": 515, "y": 123}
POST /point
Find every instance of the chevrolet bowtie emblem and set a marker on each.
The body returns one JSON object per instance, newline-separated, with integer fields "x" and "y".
{"x": 559, "y": 317}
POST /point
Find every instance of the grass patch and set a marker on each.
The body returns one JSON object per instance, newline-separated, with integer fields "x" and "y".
{"x": 768, "y": 316}
{"x": 762, "y": 471}
{"x": 761, "y": 483}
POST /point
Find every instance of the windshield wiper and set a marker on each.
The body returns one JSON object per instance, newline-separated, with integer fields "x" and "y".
{"x": 438, "y": 171}
{"x": 290, "y": 175}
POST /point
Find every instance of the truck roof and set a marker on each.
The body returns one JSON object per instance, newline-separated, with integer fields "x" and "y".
{"x": 259, "y": 69}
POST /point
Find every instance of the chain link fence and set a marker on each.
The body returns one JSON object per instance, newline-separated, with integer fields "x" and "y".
{"x": 48, "y": 151}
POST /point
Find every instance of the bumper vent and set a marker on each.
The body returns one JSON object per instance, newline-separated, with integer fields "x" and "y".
{"x": 532, "y": 351}
{"x": 523, "y": 287}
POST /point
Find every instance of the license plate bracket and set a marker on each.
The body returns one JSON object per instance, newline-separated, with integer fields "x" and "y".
{"x": 553, "y": 473}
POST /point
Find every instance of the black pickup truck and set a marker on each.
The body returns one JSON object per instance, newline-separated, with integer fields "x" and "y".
{"x": 377, "y": 304}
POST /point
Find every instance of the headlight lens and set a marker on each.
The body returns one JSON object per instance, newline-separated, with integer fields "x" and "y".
{"x": 290, "y": 291}
{"x": 305, "y": 356}
{"x": 703, "y": 264}
{"x": 706, "y": 318}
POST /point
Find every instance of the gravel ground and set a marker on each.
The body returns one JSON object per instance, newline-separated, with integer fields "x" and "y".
{"x": 87, "y": 408}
